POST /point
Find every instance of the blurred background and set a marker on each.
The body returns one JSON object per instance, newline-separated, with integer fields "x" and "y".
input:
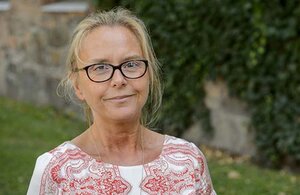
{"x": 231, "y": 77}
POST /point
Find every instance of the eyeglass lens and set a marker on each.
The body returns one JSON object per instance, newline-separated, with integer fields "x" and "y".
{"x": 131, "y": 69}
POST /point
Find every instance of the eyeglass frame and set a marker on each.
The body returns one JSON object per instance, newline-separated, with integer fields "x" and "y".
{"x": 117, "y": 67}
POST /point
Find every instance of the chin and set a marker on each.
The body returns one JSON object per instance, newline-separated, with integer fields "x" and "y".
{"x": 125, "y": 115}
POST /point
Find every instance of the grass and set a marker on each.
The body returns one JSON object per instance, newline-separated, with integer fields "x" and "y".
{"x": 26, "y": 131}
{"x": 238, "y": 176}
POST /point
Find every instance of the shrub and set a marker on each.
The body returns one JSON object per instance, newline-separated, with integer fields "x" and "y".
{"x": 253, "y": 45}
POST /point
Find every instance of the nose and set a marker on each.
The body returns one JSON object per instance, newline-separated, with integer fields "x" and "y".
{"x": 118, "y": 80}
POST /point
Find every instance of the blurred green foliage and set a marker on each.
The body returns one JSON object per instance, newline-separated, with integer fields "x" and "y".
{"x": 252, "y": 45}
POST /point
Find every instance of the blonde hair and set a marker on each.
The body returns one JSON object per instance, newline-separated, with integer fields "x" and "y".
{"x": 116, "y": 17}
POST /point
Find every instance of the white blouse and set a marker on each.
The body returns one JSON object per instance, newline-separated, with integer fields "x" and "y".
{"x": 180, "y": 169}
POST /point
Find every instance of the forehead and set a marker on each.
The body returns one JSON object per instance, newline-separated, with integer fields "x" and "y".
{"x": 110, "y": 42}
{"x": 110, "y": 34}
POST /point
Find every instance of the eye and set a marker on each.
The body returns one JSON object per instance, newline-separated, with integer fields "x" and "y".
{"x": 99, "y": 69}
{"x": 131, "y": 65}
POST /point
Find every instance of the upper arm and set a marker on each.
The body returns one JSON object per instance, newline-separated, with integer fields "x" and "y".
{"x": 203, "y": 180}
{"x": 38, "y": 172}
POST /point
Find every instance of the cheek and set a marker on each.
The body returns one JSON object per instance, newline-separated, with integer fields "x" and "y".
{"x": 144, "y": 89}
{"x": 88, "y": 91}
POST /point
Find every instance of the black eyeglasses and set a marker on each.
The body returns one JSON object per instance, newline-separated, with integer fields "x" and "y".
{"x": 102, "y": 72}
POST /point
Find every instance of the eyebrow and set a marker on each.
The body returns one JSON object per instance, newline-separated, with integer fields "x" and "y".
{"x": 134, "y": 57}
{"x": 103, "y": 60}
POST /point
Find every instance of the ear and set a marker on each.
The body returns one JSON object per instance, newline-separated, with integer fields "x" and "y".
{"x": 77, "y": 87}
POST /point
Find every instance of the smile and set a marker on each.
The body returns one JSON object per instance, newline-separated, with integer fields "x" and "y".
{"x": 119, "y": 98}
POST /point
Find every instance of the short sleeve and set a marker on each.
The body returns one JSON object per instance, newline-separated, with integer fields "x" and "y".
{"x": 39, "y": 169}
{"x": 203, "y": 180}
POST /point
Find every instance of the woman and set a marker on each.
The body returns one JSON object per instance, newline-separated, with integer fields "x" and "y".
{"x": 114, "y": 73}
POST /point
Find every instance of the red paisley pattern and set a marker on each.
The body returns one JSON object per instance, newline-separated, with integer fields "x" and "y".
{"x": 74, "y": 171}
{"x": 180, "y": 169}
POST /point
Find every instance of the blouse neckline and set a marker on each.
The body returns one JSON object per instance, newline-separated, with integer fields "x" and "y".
{"x": 122, "y": 166}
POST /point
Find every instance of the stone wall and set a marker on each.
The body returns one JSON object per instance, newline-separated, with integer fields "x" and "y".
{"x": 230, "y": 120}
{"x": 34, "y": 39}
{"x": 3, "y": 46}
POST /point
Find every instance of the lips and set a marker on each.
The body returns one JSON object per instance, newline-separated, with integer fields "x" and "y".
{"x": 119, "y": 98}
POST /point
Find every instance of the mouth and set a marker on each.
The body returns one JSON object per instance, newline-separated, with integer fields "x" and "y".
{"x": 119, "y": 98}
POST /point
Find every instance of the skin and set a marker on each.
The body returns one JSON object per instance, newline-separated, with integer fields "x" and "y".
{"x": 116, "y": 134}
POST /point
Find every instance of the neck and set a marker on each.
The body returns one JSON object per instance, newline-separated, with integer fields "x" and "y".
{"x": 118, "y": 136}
{"x": 119, "y": 144}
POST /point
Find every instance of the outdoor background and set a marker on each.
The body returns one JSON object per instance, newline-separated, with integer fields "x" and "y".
{"x": 230, "y": 71}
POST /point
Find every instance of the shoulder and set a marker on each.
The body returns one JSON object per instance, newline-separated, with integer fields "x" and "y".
{"x": 63, "y": 149}
{"x": 181, "y": 144}
{"x": 44, "y": 159}
{"x": 39, "y": 172}
{"x": 51, "y": 165}
{"x": 186, "y": 155}
{"x": 60, "y": 156}
{"x": 183, "y": 148}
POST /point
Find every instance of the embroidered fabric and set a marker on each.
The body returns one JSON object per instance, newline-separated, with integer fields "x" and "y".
{"x": 180, "y": 169}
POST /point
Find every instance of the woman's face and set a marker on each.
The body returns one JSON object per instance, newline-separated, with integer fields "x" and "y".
{"x": 119, "y": 99}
